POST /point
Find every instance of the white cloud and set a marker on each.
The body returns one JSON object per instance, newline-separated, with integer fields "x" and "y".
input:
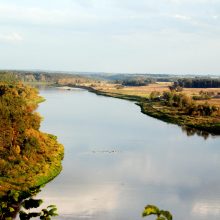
{"x": 102, "y": 27}
{"x": 215, "y": 16}
{"x": 106, "y": 16}
{"x": 182, "y": 17}
{"x": 11, "y": 37}
{"x": 13, "y": 15}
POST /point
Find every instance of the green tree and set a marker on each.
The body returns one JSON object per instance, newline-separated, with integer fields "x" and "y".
{"x": 160, "y": 214}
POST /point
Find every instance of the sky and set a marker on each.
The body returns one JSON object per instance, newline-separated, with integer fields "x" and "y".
{"x": 126, "y": 36}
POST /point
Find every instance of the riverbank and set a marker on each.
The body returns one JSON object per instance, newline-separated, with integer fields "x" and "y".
{"x": 205, "y": 124}
{"x": 29, "y": 157}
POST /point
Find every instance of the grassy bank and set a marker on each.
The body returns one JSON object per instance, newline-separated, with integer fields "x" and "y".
{"x": 34, "y": 171}
{"x": 158, "y": 110}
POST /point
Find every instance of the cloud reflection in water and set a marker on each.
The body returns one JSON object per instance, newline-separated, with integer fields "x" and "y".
{"x": 153, "y": 162}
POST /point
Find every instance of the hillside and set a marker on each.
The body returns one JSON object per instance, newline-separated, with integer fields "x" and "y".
{"x": 28, "y": 157}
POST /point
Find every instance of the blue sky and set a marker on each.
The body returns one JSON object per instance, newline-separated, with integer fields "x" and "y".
{"x": 163, "y": 36}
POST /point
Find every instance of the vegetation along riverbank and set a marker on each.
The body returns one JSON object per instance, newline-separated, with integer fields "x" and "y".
{"x": 191, "y": 102}
{"x": 28, "y": 157}
{"x": 190, "y": 110}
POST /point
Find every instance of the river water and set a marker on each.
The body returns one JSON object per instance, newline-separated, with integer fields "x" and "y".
{"x": 117, "y": 160}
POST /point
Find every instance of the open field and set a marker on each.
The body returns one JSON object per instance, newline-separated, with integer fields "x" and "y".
{"x": 144, "y": 91}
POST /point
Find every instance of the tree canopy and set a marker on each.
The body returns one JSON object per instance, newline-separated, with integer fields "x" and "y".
{"x": 28, "y": 157}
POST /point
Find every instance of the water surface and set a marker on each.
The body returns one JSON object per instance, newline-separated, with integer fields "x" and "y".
{"x": 117, "y": 160}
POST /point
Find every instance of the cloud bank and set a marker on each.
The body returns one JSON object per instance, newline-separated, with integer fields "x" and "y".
{"x": 171, "y": 36}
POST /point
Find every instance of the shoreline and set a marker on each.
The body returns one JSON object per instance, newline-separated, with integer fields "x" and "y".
{"x": 38, "y": 166}
{"x": 35, "y": 160}
{"x": 147, "y": 109}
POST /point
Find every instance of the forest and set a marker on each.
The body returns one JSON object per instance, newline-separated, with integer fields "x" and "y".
{"x": 124, "y": 79}
{"x": 28, "y": 157}
{"x": 136, "y": 82}
{"x": 198, "y": 83}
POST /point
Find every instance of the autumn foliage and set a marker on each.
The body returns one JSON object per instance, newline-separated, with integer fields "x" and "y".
{"x": 28, "y": 157}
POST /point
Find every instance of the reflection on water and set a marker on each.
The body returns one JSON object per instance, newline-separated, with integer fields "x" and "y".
{"x": 192, "y": 131}
{"x": 118, "y": 160}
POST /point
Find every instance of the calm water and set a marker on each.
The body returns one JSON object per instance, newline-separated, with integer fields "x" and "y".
{"x": 118, "y": 160}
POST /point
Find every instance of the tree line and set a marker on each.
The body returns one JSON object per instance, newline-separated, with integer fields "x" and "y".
{"x": 136, "y": 82}
{"x": 198, "y": 83}
{"x": 185, "y": 103}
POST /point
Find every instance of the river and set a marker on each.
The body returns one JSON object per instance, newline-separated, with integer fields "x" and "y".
{"x": 117, "y": 160}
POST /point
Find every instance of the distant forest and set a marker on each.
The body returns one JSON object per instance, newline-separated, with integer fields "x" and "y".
{"x": 62, "y": 78}
{"x": 198, "y": 83}
{"x": 43, "y": 77}
{"x": 136, "y": 82}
